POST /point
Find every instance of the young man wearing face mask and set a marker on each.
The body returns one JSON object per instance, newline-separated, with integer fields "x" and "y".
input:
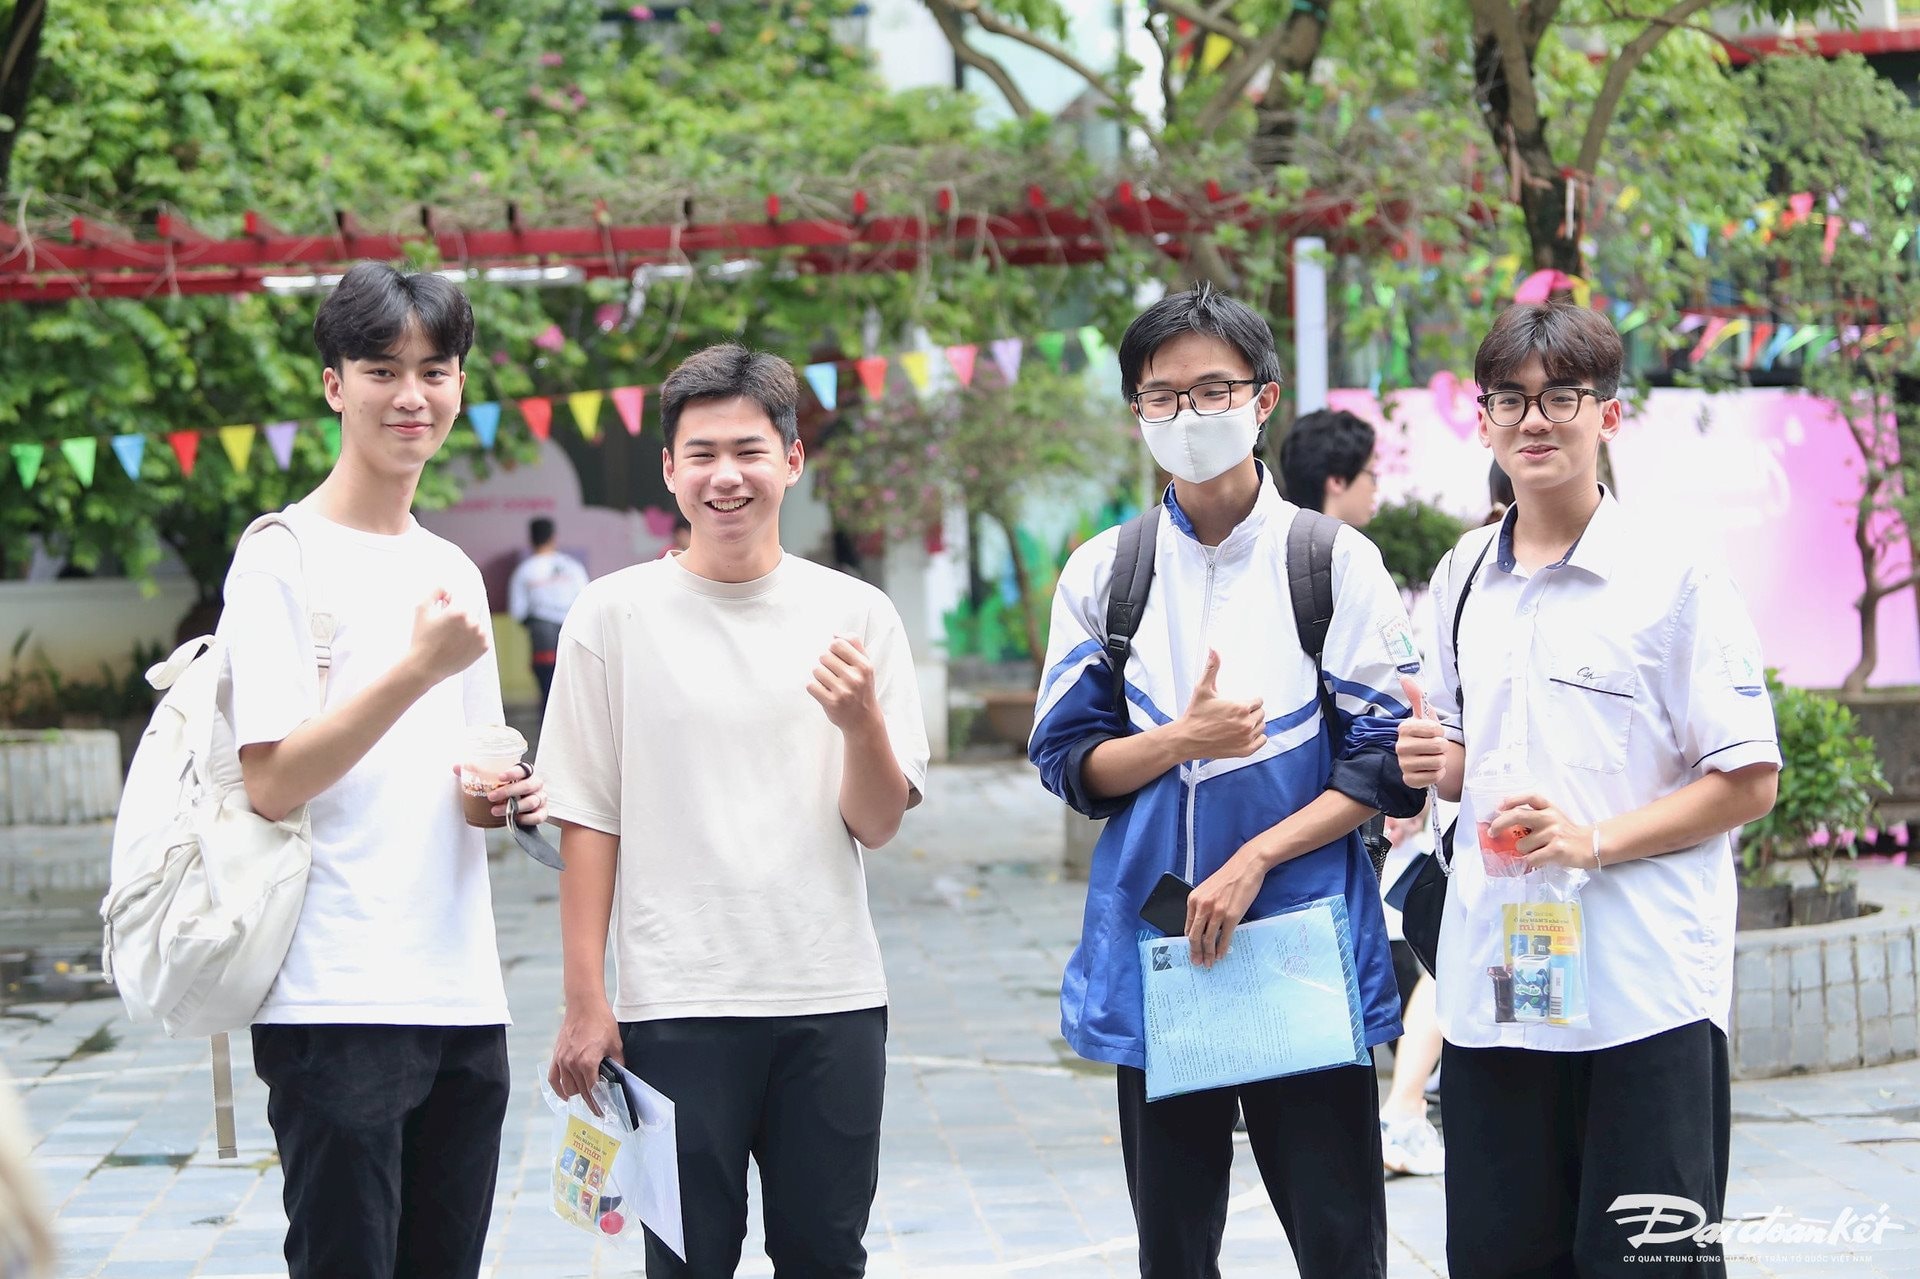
{"x": 1226, "y": 771}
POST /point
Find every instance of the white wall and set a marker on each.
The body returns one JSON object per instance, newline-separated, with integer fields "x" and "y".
{"x": 906, "y": 40}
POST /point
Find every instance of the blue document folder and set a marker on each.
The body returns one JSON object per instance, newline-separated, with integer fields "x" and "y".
{"x": 1284, "y": 1000}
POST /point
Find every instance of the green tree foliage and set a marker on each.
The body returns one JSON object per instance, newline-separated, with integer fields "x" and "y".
{"x": 377, "y": 107}
{"x": 1830, "y": 780}
{"x": 1836, "y": 131}
{"x": 1412, "y": 536}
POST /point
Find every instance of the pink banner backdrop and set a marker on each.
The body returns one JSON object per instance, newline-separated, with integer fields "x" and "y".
{"x": 1769, "y": 479}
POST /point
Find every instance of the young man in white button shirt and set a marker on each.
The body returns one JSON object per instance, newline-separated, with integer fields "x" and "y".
{"x": 1623, "y": 666}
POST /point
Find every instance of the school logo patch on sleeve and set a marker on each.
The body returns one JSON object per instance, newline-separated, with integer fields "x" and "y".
{"x": 1744, "y": 672}
{"x": 1401, "y": 650}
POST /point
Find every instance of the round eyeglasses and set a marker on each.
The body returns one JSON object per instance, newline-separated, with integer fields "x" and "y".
{"x": 1207, "y": 398}
{"x": 1558, "y": 404}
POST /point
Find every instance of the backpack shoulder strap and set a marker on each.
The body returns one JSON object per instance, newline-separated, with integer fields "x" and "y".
{"x": 320, "y": 623}
{"x": 1310, "y": 577}
{"x": 1460, "y": 605}
{"x": 1127, "y": 591}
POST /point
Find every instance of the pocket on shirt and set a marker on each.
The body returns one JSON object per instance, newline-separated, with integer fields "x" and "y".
{"x": 1590, "y": 705}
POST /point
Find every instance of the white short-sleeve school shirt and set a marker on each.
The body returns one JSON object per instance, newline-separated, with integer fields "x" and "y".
{"x": 1631, "y": 668}
{"x": 397, "y": 924}
{"x": 680, "y": 721}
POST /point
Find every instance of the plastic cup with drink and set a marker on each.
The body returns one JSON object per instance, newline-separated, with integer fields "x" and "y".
{"x": 1500, "y": 775}
{"x": 489, "y": 758}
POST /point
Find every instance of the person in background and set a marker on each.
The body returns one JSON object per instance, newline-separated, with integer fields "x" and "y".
{"x": 543, "y": 588}
{"x": 1326, "y": 464}
{"x": 1409, "y": 1143}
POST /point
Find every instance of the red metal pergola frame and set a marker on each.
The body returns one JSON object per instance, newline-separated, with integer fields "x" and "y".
{"x": 101, "y": 261}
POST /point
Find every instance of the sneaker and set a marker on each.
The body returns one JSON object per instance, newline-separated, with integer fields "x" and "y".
{"x": 1412, "y": 1148}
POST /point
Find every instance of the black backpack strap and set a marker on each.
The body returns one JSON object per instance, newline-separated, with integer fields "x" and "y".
{"x": 1310, "y": 581}
{"x": 1127, "y": 596}
{"x": 1460, "y": 611}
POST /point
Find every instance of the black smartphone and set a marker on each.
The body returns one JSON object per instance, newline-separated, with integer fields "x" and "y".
{"x": 1166, "y": 905}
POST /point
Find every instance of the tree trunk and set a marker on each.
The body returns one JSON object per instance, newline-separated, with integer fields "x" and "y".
{"x": 1276, "y": 119}
{"x": 1553, "y": 229}
{"x": 1870, "y": 594}
{"x": 19, "y": 57}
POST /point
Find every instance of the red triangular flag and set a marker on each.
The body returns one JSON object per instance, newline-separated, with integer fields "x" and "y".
{"x": 961, "y": 357}
{"x": 538, "y": 410}
{"x": 873, "y": 375}
{"x": 630, "y": 400}
{"x": 186, "y": 447}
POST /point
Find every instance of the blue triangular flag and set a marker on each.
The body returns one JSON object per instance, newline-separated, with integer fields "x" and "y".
{"x": 485, "y": 417}
{"x": 825, "y": 381}
{"x": 1698, "y": 231}
{"x": 130, "y": 449}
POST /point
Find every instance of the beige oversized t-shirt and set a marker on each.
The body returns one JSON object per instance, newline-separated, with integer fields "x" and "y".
{"x": 680, "y": 721}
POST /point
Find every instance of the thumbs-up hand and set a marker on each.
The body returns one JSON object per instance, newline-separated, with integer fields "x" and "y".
{"x": 1215, "y": 727}
{"x": 1421, "y": 746}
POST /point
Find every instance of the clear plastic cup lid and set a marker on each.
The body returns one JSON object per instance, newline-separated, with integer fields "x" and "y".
{"x": 494, "y": 741}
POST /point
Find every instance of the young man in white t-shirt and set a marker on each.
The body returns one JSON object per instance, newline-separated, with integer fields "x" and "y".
{"x": 543, "y": 587}
{"x": 383, "y": 1040}
{"x": 1617, "y": 666}
{"x": 729, "y": 727}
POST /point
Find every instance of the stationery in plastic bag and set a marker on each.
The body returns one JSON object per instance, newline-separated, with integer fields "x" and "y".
{"x": 1544, "y": 977}
{"x": 587, "y": 1180}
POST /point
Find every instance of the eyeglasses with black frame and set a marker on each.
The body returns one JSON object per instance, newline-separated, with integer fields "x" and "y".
{"x": 1558, "y": 404}
{"x": 1207, "y": 398}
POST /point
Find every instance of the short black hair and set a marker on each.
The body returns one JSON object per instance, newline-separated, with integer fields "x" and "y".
{"x": 540, "y": 530}
{"x": 1327, "y": 444}
{"x": 730, "y": 371}
{"x": 1576, "y": 346}
{"x": 368, "y": 313}
{"x": 1200, "y": 309}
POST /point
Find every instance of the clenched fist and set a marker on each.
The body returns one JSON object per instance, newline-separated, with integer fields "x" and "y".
{"x": 843, "y": 684}
{"x": 446, "y": 640}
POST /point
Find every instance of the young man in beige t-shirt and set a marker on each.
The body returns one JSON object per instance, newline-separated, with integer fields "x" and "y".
{"x": 728, "y": 728}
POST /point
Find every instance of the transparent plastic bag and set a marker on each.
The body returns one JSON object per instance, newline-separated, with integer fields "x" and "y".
{"x": 587, "y": 1189}
{"x": 1545, "y": 944}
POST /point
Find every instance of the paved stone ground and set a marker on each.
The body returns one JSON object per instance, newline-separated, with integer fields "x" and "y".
{"x": 1000, "y": 1151}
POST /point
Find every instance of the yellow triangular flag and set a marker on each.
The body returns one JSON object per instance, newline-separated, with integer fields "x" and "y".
{"x": 586, "y": 411}
{"x": 1214, "y": 52}
{"x": 914, "y": 365}
{"x": 238, "y": 442}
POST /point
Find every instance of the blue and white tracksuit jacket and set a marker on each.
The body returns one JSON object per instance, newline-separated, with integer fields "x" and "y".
{"x": 1232, "y": 598}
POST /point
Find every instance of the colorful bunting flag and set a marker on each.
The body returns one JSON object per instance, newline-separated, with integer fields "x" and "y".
{"x": 962, "y": 358}
{"x": 1052, "y": 346}
{"x": 80, "y": 453}
{"x": 628, "y": 401}
{"x": 873, "y": 375}
{"x": 1833, "y": 239}
{"x": 26, "y": 460}
{"x": 485, "y": 419}
{"x": 586, "y": 412}
{"x": 280, "y": 440}
{"x": 1719, "y": 329}
{"x": 238, "y": 442}
{"x": 1006, "y": 354}
{"x": 1757, "y": 341}
{"x": 1781, "y": 336}
{"x": 1805, "y": 337}
{"x": 1689, "y": 321}
{"x": 1093, "y": 342}
{"x": 914, "y": 365}
{"x": 186, "y": 449}
{"x": 131, "y": 450}
{"x": 825, "y": 381}
{"x": 538, "y": 411}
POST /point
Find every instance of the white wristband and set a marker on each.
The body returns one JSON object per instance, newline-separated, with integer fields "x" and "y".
{"x": 1596, "y": 848}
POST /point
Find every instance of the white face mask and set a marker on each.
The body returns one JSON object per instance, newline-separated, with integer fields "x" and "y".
{"x": 1197, "y": 448}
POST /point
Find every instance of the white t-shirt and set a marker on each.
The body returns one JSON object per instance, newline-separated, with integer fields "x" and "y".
{"x": 544, "y": 587}
{"x": 397, "y": 925}
{"x": 680, "y": 721}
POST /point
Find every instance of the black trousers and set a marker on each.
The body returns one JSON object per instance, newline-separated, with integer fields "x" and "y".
{"x": 1540, "y": 1144}
{"x": 389, "y": 1140}
{"x": 1316, "y": 1138}
{"x": 544, "y": 637}
{"x": 801, "y": 1096}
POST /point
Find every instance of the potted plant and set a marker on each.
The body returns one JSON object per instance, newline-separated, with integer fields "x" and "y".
{"x": 1829, "y": 782}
